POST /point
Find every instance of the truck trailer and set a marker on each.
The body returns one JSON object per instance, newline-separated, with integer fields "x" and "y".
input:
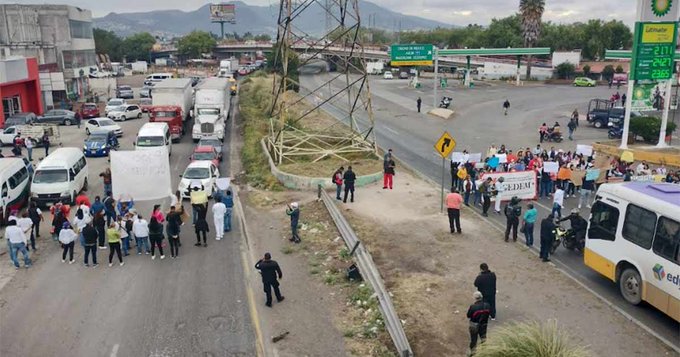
{"x": 211, "y": 108}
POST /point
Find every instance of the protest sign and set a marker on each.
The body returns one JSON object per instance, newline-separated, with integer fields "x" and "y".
{"x": 477, "y": 157}
{"x": 502, "y": 158}
{"x": 551, "y": 167}
{"x": 586, "y": 150}
{"x": 223, "y": 183}
{"x": 592, "y": 174}
{"x": 493, "y": 162}
{"x": 521, "y": 184}
{"x": 141, "y": 174}
{"x": 459, "y": 157}
{"x": 577, "y": 177}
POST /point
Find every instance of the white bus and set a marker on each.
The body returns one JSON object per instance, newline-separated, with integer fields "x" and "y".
{"x": 634, "y": 240}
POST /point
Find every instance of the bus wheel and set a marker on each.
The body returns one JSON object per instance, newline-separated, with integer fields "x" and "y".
{"x": 630, "y": 285}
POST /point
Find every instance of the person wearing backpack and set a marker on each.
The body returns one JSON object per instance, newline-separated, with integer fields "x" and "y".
{"x": 337, "y": 180}
{"x": 512, "y": 213}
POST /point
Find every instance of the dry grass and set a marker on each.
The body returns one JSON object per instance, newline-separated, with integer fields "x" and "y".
{"x": 326, "y": 167}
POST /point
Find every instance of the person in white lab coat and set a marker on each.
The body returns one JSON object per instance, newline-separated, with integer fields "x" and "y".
{"x": 219, "y": 209}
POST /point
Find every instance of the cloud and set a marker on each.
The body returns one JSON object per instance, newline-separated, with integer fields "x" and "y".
{"x": 463, "y": 13}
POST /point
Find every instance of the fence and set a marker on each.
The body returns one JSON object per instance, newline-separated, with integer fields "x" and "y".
{"x": 370, "y": 273}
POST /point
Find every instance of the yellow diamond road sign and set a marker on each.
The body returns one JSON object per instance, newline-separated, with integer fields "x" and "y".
{"x": 445, "y": 145}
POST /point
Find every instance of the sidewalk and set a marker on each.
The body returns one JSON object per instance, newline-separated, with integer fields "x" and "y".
{"x": 431, "y": 272}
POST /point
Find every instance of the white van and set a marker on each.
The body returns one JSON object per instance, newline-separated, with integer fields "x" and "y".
{"x": 153, "y": 135}
{"x": 15, "y": 181}
{"x": 59, "y": 177}
{"x": 156, "y": 77}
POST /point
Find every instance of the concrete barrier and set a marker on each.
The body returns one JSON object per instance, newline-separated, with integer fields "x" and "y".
{"x": 297, "y": 182}
{"x": 649, "y": 154}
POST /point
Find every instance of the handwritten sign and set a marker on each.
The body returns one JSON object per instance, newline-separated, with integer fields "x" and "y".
{"x": 476, "y": 157}
{"x": 592, "y": 174}
{"x": 223, "y": 183}
{"x": 459, "y": 157}
{"x": 551, "y": 167}
{"x": 141, "y": 174}
{"x": 502, "y": 158}
{"x": 585, "y": 150}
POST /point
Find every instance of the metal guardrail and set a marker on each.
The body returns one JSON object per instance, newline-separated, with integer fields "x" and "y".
{"x": 370, "y": 273}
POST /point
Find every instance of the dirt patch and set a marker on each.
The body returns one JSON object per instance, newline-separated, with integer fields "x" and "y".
{"x": 431, "y": 272}
{"x": 326, "y": 167}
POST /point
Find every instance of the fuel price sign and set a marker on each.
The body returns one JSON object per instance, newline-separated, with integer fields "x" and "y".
{"x": 653, "y": 50}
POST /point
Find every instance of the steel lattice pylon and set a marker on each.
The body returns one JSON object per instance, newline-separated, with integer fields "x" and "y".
{"x": 343, "y": 94}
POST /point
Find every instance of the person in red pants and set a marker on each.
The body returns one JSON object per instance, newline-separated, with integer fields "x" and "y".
{"x": 388, "y": 174}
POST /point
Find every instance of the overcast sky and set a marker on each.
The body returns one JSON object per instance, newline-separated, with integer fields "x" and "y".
{"x": 458, "y": 12}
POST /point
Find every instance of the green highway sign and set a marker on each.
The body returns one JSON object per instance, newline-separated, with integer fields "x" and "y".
{"x": 411, "y": 55}
{"x": 653, "y": 50}
{"x": 495, "y": 51}
{"x": 626, "y": 54}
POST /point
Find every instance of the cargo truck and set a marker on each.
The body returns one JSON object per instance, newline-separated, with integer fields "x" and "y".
{"x": 228, "y": 67}
{"x": 171, "y": 103}
{"x": 211, "y": 108}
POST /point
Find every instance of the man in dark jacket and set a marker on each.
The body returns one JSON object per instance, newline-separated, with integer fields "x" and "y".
{"x": 269, "y": 269}
{"x": 90, "y": 236}
{"x": 578, "y": 224}
{"x": 486, "y": 284}
{"x": 512, "y": 213}
{"x": 349, "y": 177}
{"x": 478, "y": 313}
{"x": 547, "y": 237}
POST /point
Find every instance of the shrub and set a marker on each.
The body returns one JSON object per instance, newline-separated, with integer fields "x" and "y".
{"x": 586, "y": 70}
{"x": 608, "y": 72}
{"x": 619, "y": 69}
{"x": 529, "y": 339}
{"x": 649, "y": 127}
{"x": 565, "y": 70}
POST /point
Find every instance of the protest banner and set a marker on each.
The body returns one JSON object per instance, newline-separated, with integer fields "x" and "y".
{"x": 141, "y": 174}
{"x": 585, "y": 150}
{"x": 476, "y": 157}
{"x": 502, "y": 158}
{"x": 459, "y": 157}
{"x": 223, "y": 183}
{"x": 551, "y": 167}
{"x": 521, "y": 184}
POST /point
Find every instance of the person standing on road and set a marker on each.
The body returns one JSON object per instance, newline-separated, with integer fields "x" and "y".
{"x": 270, "y": 270}
{"x": 124, "y": 235}
{"x": 388, "y": 175}
{"x": 97, "y": 206}
{"x": 77, "y": 118}
{"x": 498, "y": 189}
{"x": 293, "y": 210}
{"x": 571, "y": 127}
{"x": 349, "y": 177}
{"x": 99, "y": 223}
{"x": 486, "y": 284}
{"x": 453, "y": 201}
{"x": 16, "y": 239}
{"x": 106, "y": 179}
{"x": 228, "y": 201}
{"x": 623, "y": 100}
{"x": 58, "y": 221}
{"x": 419, "y": 102}
{"x": 558, "y": 202}
{"x": 468, "y": 189}
{"x": 201, "y": 226}
{"x": 140, "y": 228}
{"x": 36, "y": 216}
{"x": 219, "y": 209}
{"x": 67, "y": 238}
{"x": 506, "y": 106}
{"x": 113, "y": 237}
{"x": 90, "y": 236}
{"x": 80, "y": 222}
{"x": 156, "y": 237}
{"x": 547, "y": 237}
{"x": 486, "y": 190}
{"x": 478, "y": 313}
{"x": 26, "y": 225}
{"x": 337, "y": 180}
{"x": 174, "y": 219}
{"x": 529, "y": 221}
{"x": 109, "y": 208}
{"x": 157, "y": 214}
{"x": 29, "y": 147}
{"x": 587, "y": 187}
{"x": 575, "y": 116}
{"x": 513, "y": 211}
{"x": 46, "y": 143}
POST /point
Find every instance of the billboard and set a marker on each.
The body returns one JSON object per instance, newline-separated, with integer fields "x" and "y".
{"x": 223, "y": 13}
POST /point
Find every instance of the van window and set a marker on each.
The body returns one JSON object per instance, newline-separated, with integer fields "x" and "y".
{"x": 50, "y": 176}
{"x": 79, "y": 165}
{"x": 638, "y": 227}
{"x": 145, "y": 141}
{"x": 667, "y": 241}
{"x": 603, "y": 221}
{"x": 19, "y": 177}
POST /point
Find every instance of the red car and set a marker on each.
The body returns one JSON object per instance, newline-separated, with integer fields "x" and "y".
{"x": 206, "y": 153}
{"x": 89, "y": 110}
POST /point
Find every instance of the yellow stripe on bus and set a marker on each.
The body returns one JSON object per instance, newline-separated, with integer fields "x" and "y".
{"x": 600, "y": 264}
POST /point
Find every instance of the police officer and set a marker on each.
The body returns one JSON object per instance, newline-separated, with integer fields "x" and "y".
{"x": 547, "y": 236}
{"x": 269, "y": 269}
{"x": 512, "y": 213}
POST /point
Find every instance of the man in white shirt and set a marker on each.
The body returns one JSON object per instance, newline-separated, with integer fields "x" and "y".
{"x": 140, "y": 228}
{"x": 26, "y": 225}
{"x": 17, "y": 242}
{"x": 29, "y": 147}
{"x": 219, "y": 209}
{"x": 558, "y": 202}
{"x": 499, "y": 188}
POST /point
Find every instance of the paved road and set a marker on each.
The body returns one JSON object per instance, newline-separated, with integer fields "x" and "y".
{"x": 478, "y": 123}
{"x": 190, "y": 306}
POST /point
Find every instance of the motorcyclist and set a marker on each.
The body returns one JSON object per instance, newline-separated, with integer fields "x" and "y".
{"x": 113, "y": 141}
{"x": 578, "y": 225}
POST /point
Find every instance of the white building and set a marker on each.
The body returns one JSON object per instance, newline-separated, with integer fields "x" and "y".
{"x": 60, "y": 37}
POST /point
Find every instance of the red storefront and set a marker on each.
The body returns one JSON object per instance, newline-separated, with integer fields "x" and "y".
{"x": 19, "y": 87}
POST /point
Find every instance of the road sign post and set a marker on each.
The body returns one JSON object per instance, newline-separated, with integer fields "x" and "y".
{"x": 443, "y": 147}
{"x": 436, "y": 73}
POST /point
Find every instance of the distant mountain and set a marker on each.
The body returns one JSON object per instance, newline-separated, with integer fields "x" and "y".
{"x": 255, "y": 19}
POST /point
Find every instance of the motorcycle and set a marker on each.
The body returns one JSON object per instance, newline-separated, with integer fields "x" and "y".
{"x": 445, "y": 102}
{"x": 615, "y": 132}
{"x": 550, "y": 135}
{"x": 571, "y": 241}
{"x": 559, "y": 233}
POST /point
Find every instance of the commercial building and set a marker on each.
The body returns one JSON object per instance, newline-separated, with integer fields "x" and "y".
{"x": 19, "y": 87}
{"x": 60, "y": 38}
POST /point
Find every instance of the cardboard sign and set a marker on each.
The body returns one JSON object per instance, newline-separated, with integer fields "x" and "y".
{"x": 586, "y": 150}
{"x": 142, "y": 174}
{"x": 459, "y": 157}
{"x": 551, "y": 167}
{"x": 477, "y": 157}
{"x": 502, "y": 158}
{"x": 577, "y": 177}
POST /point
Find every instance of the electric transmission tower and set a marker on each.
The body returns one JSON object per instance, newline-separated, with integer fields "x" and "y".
{"x": 339, "y": 86}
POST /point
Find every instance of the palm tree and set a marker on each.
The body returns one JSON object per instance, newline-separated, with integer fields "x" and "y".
{"x": 531, "y": 12}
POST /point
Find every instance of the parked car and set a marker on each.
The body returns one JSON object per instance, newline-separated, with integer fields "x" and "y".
{"x": 145, "y": 92}
{"x": 7, "y": 136}
{"x": 205, "y": 172}
{"x": 388, "y": 75}
{"x": 213, "y": 141}
{"x": 125, "y": 112}
{"x": 125, "y": 92}
{"x": 145, "y": 104}
{"x": 22, "y": 118}
{"x": 403, "y": 75}
{"x": 113, "y": 103}
{"x": 584, "y": 82}
{"x": 57, "y": 116}
{"x": 203, "y": 153}
{"x": 89, "y": 110}
{"x": 107, "y": 124}
{"x": 99, "y": 143}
